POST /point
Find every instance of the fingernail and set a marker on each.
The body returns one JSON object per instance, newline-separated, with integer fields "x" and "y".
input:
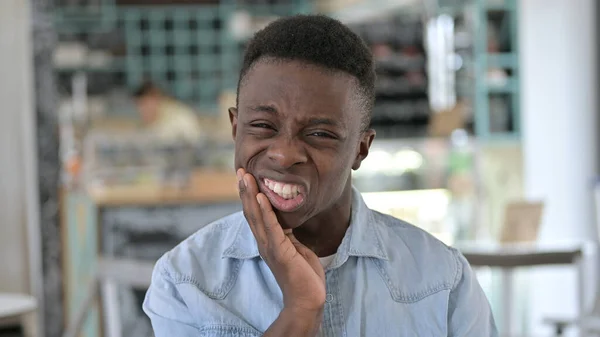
{"x": 258, "y": 199}
{"x": 239, "y": 174}
{"x": 245, "y": 181}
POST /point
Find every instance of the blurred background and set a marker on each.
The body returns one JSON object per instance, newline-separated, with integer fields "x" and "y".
{"x": 115, "y": 146}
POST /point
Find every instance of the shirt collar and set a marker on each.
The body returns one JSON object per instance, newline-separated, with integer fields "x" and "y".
{"x": 363, "y": 237}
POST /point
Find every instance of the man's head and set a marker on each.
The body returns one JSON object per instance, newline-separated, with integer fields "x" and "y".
{"x": 305, "y": 96}
{"x": 147, "y": 100}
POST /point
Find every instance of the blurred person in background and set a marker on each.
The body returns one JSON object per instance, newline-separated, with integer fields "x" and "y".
{"x": 164, "y": 116}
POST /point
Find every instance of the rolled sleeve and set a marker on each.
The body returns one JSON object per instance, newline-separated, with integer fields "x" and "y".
{"x": 469, "y": 312}
{"x": 166, "y": 308}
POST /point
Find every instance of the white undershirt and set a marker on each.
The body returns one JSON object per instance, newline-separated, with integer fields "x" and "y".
{"x": 325, "y": 262}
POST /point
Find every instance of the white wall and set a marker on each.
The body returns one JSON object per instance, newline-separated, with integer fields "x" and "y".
{"x": 558, "y": 69}
{"x": 16, "y": 144}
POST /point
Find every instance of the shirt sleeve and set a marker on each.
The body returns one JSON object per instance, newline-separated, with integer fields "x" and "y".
{"x": 469, "y": 312}
{"x": 165, "y": 307}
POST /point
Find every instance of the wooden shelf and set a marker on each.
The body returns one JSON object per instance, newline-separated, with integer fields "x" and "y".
{"x": 205, "y": 187}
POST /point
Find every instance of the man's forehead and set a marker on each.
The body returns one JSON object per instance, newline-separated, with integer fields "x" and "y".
{"x": 299, "y": 87}
{"x": 297, "y": 79}
{"x": 314, "y": 117}
{"x": 271, "y": 66}
{"x": 301, "y": 109}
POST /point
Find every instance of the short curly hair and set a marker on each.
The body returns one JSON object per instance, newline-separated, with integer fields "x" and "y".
{"x": 318, "y": 40}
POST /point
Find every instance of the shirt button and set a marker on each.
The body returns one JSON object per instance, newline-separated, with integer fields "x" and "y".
{"x": 329, "y": 298}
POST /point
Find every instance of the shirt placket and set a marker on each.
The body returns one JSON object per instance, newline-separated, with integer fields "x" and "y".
{"x": 333, "y": 315}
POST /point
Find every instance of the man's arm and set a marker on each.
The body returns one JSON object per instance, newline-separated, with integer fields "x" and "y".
{"x": 295, "y": 324}
{"x": 164, "y": 305}
{"x": 296, "y": 268}
{"x": 170, "y": 315}
{"x": 469, "y": 312}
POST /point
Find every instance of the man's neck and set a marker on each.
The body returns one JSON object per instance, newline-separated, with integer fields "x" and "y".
{"x": 323, "y": 234}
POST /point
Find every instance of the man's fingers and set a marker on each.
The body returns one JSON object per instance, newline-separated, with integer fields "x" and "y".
{"x": 272, "y": 227}
{"x": 314, "y": 262}
{"x": 252, "y": 212}
{"x": 309, "y": 255}
{"x": 240, "y": 185}
{"x": 259, "y": 213}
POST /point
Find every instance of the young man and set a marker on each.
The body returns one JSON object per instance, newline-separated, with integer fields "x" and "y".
{"x": 307, "y": 257}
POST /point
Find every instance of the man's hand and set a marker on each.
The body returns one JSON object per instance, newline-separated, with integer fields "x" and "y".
{"x": 296, "y": 268}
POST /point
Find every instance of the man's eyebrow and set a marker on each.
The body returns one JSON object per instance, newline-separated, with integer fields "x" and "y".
{"x": 311, "y": 122}
{"x": 264, "y": 108}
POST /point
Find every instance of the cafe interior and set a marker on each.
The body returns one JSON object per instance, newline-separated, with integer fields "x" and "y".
{"x": 487, "y": 133}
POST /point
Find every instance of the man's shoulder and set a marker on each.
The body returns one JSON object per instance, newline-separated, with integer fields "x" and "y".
{"x": 416, "y": 259}
{"x": 409, "y": 233}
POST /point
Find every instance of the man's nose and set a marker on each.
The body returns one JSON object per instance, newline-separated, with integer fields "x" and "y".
{"x": 286, "y": 153}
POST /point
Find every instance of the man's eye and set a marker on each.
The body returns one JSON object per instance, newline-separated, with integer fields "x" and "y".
{"x": 261, "y": 125}
{"x": 322, "y": 135}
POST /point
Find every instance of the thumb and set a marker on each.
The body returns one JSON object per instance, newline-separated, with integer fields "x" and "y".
{"x": 302, "y": 249}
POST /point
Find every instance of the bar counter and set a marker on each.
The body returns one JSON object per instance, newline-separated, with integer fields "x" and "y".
{"x": 204, "y": 187}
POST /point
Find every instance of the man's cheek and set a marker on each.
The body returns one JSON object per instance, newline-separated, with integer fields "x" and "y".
{"x": 247, "y": 160}
{"x": 239, "y": 161}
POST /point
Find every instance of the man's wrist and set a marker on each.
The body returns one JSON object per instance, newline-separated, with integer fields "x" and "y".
{"x": 302, "y": 319}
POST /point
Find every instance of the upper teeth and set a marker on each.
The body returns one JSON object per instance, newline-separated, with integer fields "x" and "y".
{"x": 286, "y": 191}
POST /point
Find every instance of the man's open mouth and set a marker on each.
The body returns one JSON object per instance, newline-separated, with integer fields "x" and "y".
{"x": 284, "y": 190}
{"x": 286, "y": 197}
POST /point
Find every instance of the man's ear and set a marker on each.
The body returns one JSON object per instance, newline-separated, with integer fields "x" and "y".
{"x": 363, "y": 148}
{"x": 233, "y": 118}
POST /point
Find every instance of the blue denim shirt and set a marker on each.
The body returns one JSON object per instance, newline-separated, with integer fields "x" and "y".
{"x": 388, "y": 278}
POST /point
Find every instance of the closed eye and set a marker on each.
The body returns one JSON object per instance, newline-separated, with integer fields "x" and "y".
{"x": 261, "y": 125}
{"x": 322, "y": 135}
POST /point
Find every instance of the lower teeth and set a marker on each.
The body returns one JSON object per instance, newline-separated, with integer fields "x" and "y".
{"x": 287, "y": 197}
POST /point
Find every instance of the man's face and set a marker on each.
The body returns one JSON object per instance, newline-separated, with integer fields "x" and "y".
{"x": 147, "y": 107}
{"x": 298, "y": 131}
